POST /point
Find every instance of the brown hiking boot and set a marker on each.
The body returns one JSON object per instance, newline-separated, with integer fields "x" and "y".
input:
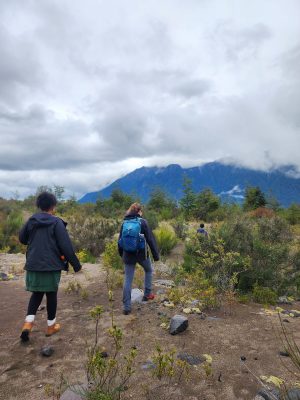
{"x": 27, "y": 328}
{"x": 52, "y": 329}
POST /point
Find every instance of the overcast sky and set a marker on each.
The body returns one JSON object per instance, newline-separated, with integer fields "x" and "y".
{"x": 90, "y": 90}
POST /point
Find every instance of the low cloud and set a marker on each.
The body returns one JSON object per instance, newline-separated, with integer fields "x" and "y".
{"x": 90, "y": 92}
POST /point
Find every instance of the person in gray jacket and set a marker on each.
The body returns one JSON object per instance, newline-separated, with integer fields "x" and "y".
{"x": 49, "y": 250}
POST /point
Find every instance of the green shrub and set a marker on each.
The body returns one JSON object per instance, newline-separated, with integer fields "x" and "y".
{"x": 91, "y": 233}
{"x": 85, "y": 256}
{"x": 111, "y": 257}
{"x": 264, "y": 295}
{"x": 180, "y": 227}
{"x": 166, "y": 238}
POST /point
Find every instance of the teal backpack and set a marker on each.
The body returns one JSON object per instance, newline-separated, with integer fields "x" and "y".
{"x": 132, "y": 240}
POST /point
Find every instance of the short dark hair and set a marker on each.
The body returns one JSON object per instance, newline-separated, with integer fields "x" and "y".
{"x": 46, "y": 201}
{"x": 201, "y": 225}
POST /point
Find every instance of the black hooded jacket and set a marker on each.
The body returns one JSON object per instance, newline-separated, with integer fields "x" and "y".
{"x": 133, "y": 258}
{"x": 47, "y": 240}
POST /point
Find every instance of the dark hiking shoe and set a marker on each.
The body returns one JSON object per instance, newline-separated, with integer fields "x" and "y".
{"x": 126, "y": 312}
{"x": 148, "y": 297}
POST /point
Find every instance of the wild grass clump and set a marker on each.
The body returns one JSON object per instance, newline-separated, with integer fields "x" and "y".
{"x": 166, "y": 238}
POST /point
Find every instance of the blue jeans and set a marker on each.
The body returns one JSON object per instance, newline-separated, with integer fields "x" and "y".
{"x": 129, "y": 274}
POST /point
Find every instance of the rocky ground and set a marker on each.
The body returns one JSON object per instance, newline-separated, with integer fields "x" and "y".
{"x": 247, "y": 331}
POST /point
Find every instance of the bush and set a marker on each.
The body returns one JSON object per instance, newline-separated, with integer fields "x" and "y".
{"x": 166, "y": 238}
{"x": 91, "y": 233}
{"x": 85, "y": 256}
{"x": 111, "y": 257}
{"x": 264, "y": 295}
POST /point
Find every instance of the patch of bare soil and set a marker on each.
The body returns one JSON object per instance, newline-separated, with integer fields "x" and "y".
{"x": 24, "y": 373}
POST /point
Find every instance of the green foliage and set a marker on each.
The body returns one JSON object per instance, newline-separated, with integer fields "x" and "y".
{"x": 292, "y": 214}
{"x": 206, "y": 204}
{"x": 85, "y": 256}
{"x": 116, "y": 205}
{"x": 162, "y": 204}
{"x": 111, "y": 257}
{"x": 264, "y": 295}
{"x": 254, "y": 198}
{"x": 108, "y": 375}
{"x": 180, "y": 227}
{"x": 91, "y": 233}
{"x": 188, "y": 201}
{"x": 166, "y": 238}
{"x": 152, "y": 218}
{"x": 168, "y": 367}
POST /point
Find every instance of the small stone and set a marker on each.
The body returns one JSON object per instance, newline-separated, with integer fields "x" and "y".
{"x": 187, "y": 310}
{"x": 179, "y": 323}
{"x": 148, "y": 365}
{"x": 243, "y": 358}
{"x": 286, "y": 320}
{"x": 104, "y": 354}
{"x": 293, "y": 394}
{"x": 73, "y": 393}
{"x": 169, "y": 304}
{"x": 165, "y": 283}
{"x": 271, "y": 394}
{"x": 283, "y": 300}
{"x": 284, "y": 354}
{"x": 47, "y": 351}
{"x": 4, "y": 276}
{"x": 190, "y": 359}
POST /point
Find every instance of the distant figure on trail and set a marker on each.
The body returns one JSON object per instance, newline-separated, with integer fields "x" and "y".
{"x": 202, "y": 231}
{"x": 135, "y": 236}
{"x": 49, "y": 250}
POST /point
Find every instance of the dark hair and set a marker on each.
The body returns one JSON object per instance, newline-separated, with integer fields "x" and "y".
{"x": 46, "y": 201}
{"x": 201, "y": 225}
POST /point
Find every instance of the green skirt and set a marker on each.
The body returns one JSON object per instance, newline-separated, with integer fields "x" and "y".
{"x": 42, "y": 281}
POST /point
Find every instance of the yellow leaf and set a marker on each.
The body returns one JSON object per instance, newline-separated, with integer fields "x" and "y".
{"x": 208, "y": 358}
{"x": 187, "y": 310}
{"x": 272, "y": 379}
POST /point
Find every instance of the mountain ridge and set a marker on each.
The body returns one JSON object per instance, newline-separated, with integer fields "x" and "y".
{"x": 227, "y": 181}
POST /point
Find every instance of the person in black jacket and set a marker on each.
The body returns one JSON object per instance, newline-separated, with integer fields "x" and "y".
{"x": 49, "y": 250}
{"x": 141, "y": 256}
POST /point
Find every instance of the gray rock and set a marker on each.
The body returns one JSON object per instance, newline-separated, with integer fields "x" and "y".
{"x": 164, "y": 282}
{"x": 148, "y": 365}
{"x": 136, "y": 296}
{"x": 4, "y": 276}
{"x": 213, "y": 318}
{"x": 284, "y": 354}
{"x": 47, "y": 351}
{"x": 190, "y": 359}
{"x": 258, "y": 397}
{"x": 179, "y": 323}
{"x": 293, "y": 394}
{"x": 76, "y": 392}
{"x": 283, "y": 300}
{"x": 271, "y": 394}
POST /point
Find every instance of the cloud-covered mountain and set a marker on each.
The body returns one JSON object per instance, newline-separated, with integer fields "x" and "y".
{"x": 227, "y": 181}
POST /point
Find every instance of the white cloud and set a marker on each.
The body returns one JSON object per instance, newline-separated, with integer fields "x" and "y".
{"x": 92, "y": 90}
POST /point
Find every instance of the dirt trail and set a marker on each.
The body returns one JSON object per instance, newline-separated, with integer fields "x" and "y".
{"x": 24, "y": 372}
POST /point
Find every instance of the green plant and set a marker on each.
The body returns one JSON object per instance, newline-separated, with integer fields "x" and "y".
{"x": 73, "y": 287}
{"x": 111, "y": 257}
{"x": 109, "y": 376}
{"x": 264, "y": 295}
{"x": 168, "y": 367}
{"x": 166, "y": 238}
{"x": 85, "y": 256}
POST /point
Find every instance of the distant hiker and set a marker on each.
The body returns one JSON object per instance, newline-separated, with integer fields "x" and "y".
{"x": 49, "y": 249}
{"x": 135, "y": 236}
{"x": 202, "y": 231}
